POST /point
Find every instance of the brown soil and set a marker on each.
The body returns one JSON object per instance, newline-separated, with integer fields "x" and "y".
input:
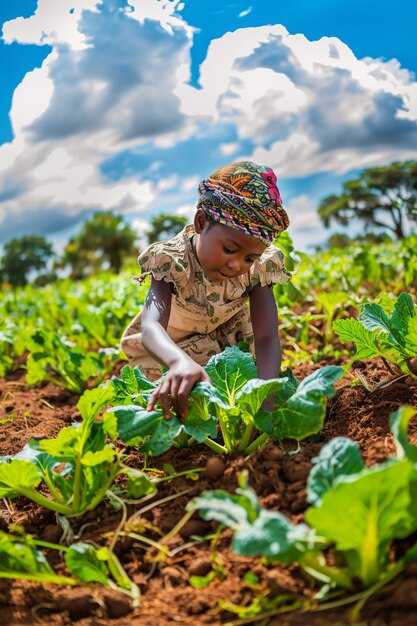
{"x": 167, "y": 595}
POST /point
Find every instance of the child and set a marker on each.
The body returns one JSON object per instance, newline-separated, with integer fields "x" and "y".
{"x": 202, "y": 280}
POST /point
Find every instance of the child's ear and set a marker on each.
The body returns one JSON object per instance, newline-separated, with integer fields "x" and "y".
{"x": 200, "y": 221}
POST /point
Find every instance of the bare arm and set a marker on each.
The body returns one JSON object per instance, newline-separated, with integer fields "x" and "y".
{"x": 155, "y": 317}
{"x": 183, "y": 372}
{"x": 264, "y": 316}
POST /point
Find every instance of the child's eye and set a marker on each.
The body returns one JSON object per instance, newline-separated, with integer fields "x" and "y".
{"x": 228, "y": 251}
{"x": 249, "y": 260}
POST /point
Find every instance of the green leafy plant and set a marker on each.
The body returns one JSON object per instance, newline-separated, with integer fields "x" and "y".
{"x": 21, "y": 558}
{"x": 60, "y": 362}
{"x": 77, "y": 468}
{"x": 232, "y": 403}
{"x": 357, "y": 513}
{"x": 391, "y": 335}
{"x": 332, "y": 304}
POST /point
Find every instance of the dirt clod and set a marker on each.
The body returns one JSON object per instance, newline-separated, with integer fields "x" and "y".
{"x": 215, "y": 468}
{"x": 200, "y": 567}
{"x": 117, "y": 605}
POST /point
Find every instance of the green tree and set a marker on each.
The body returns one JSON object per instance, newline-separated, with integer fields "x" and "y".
{"x": 381, "y": 196}
{"x": 22, "y": 256}
{"x": 104, "y": 239}
{"x": 165, "y": 227}
{"x": 341, "y": 240}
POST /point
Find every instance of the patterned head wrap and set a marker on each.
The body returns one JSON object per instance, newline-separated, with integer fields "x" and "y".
{"x": 244, "y": 195}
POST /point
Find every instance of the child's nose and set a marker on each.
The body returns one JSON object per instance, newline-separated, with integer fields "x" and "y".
{"x": 234, "y": 265}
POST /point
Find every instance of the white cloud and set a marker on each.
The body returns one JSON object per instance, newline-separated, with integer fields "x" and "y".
{"x": 307, "y": 106}
{"x": 167, "y": 183}
{"x": 245, "y": 13}
{"x": 163, "y": 12}
{"x": 85, "y": 105}
{"x": 54, "y": 22}
{"x": 229, "y": 148}
{"x": 190, "y": 184}
{"x": 305, "y": 227}
{"x": 300, "y": 106}
{"x": 188, "y": 211}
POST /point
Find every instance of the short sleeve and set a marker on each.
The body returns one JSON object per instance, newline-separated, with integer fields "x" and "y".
{"x": 269, "y": 268}
{"x": 164, "y": 262}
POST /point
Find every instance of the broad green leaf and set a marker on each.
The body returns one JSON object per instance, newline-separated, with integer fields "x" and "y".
{"x": 337, "y": 459}
{"x": 16, "y": 555}
{"x": 255, "y": 391}
{"x": 110, "y": 424}
{"x": 303, "y": 413}
{"x": 364, "y": 513}
{"x": 106, "y": 455}
{"x": 229, "y": 371}
{"x": 201, "y": 396}
{"x": 321, "y": 381}
{"x": 231, "y": 510}
{"x": 82, "y": 561}
{"x": 32, "y": 453}
{"x": 155, "y": 432}
{"x": 138, "y": 483}
{"x": 257, "y": 531}
{"x": 365, "y": 340}
{"x": 92, "y": 401}
{"x": 64, "y": 447}
{"x": 200, "y": 428}
{"x": 404, "y": 311}
{"x": 410, "y": 339}
{"x": 132, "y": 383}
{"x": 17, "y": 475}
{"x": 373, "y": 317}
{"x": 269, "y": 535}
{"x": 399, "y": 421}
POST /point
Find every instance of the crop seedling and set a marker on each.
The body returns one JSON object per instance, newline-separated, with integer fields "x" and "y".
{"x": 78, "y": 467}
{"x": 357, "y": 512}
{"x": 20, "y": 558}
{"x": 233, "y": 402}
{"x": 62, "y": 363}
{"x": 391, "y": 335}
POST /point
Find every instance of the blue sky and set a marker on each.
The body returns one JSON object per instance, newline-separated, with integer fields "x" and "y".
{"x": 127, "y": 104}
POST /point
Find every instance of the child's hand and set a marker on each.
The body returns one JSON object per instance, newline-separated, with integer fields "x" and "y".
{"x": 176, "y": 387}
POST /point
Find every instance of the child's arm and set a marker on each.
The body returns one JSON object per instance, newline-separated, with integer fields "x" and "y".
{"x": 183, "y": 372}
{"x": 264, "y": 316}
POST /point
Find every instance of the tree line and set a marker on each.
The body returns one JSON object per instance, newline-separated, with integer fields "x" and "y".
{"x": 105, "y": 241}
{"x": 383, "y": 199}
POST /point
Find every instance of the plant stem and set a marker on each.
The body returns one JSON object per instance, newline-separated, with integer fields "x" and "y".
{"x": 117, "y": 571}
{"x": 178, "y": 474}
{"x": 245, "y": 437}
{"x": 146, "y": 540}
{"x": 226, "y": 437}
{"x": 41, "y": 578}
{"x": 215, "y": 446}
{"x": 258, "y": 443}
{"x": 100, "y": 495}
{"x": 182, "y": 439}
{"x": 314, "y": 564}
{"x": 58, "y": 497}
{"x": 32, "y": 494}
{"x": 77, "y": 485}
{"x": 266, "y": 615}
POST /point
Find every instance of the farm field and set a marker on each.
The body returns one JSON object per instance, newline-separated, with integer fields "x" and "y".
{"x": 61, "y": 340}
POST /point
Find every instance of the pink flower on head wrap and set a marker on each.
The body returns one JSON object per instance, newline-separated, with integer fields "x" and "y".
{"x": 271, "y": 181}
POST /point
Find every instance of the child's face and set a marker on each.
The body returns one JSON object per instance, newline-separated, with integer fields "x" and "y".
{"x": 224, "y": 252}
